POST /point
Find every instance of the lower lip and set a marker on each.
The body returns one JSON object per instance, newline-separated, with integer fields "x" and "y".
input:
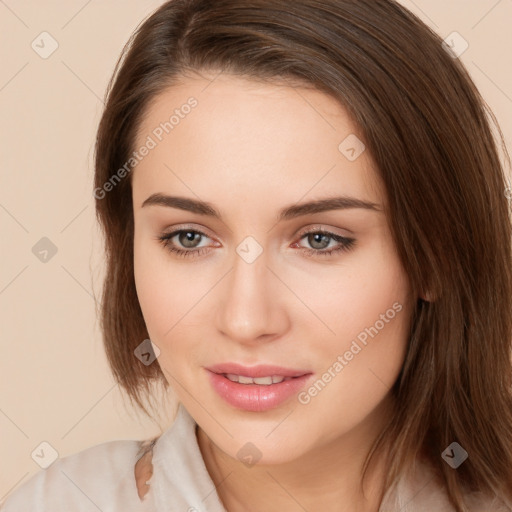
{"x": 256, "y": 397}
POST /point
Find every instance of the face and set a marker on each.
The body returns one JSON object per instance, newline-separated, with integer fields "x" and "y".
{"x": 314, "y": 294}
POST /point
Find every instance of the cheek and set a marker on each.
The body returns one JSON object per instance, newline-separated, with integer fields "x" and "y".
{"x": 168, "y": 294}
{"x": 149, "y": 284}
{"x": 160, "y": 292}
{"x": 352, "y": 300}
{"x": 370, "y": 315}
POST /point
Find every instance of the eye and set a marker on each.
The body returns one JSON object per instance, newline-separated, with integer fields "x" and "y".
{"x": 188, "y": 238}
{"x": 320, "y": 239}
{"x": 186, "y": 243}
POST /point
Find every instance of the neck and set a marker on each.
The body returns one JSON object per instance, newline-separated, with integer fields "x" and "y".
{"x": 326, "y": 478}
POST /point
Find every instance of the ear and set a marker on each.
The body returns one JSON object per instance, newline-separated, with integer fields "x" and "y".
{"x": 427, "y": 296}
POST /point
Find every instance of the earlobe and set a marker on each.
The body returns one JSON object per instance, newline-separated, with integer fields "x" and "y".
{"x": 426, "y": 297}
{"x": 424, "y": 294}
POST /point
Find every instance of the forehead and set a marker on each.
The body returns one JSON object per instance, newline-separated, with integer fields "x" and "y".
{"x": 248, "y": 137}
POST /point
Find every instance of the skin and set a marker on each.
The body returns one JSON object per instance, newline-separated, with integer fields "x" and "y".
{"x": 250, "y": 149}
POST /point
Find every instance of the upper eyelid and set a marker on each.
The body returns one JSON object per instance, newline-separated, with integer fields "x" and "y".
{"x": 175, "y": 230}
{"x": 320, "y": 228}
{"x": 313, "y": 228}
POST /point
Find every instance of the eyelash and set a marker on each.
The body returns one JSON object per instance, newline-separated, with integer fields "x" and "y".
{"x": 346, "y": 244}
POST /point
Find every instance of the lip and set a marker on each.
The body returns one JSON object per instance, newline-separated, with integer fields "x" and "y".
{"x": 261, "y": 370}
{"x": 256, "y": 397}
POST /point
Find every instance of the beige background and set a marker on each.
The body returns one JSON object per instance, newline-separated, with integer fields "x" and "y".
{"x": 55, "y": 383}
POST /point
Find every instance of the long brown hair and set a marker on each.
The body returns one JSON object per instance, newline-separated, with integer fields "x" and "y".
{"x": 429, "y": 133}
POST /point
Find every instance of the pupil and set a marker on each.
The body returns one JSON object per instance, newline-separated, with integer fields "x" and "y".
{"x": 189, "y": 238}
{"x": 317, "y": 239}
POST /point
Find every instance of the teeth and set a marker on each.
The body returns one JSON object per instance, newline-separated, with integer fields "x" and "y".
{"x": 265, "y": 381}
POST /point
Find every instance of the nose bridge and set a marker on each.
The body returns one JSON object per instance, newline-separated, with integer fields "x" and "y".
{"x": 248, "y": 307}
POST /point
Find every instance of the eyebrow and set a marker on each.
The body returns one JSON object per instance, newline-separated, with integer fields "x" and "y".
{"x": 287, "y": 213}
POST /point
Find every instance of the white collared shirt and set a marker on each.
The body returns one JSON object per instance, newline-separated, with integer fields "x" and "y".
{"x": 102, "y": 478}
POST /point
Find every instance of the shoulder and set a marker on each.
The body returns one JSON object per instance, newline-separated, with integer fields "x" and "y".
{"x": 422, "y": 490}
{"x": 98, "y": 477}
{"x": 477, "y": 501}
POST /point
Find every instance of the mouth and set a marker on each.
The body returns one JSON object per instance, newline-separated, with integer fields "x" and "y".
{"x": 256, "y": 372}
{"x": 257, "y": 388}
{"x": 263, "y": 381}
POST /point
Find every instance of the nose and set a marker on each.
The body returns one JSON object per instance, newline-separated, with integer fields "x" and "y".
{"x": 250, "y": 303}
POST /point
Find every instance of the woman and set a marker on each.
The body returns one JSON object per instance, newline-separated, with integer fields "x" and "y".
{"x": 305, "y": 212}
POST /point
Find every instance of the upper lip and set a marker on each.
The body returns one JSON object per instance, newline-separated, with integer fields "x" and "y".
{"x": 261, "y": 370}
